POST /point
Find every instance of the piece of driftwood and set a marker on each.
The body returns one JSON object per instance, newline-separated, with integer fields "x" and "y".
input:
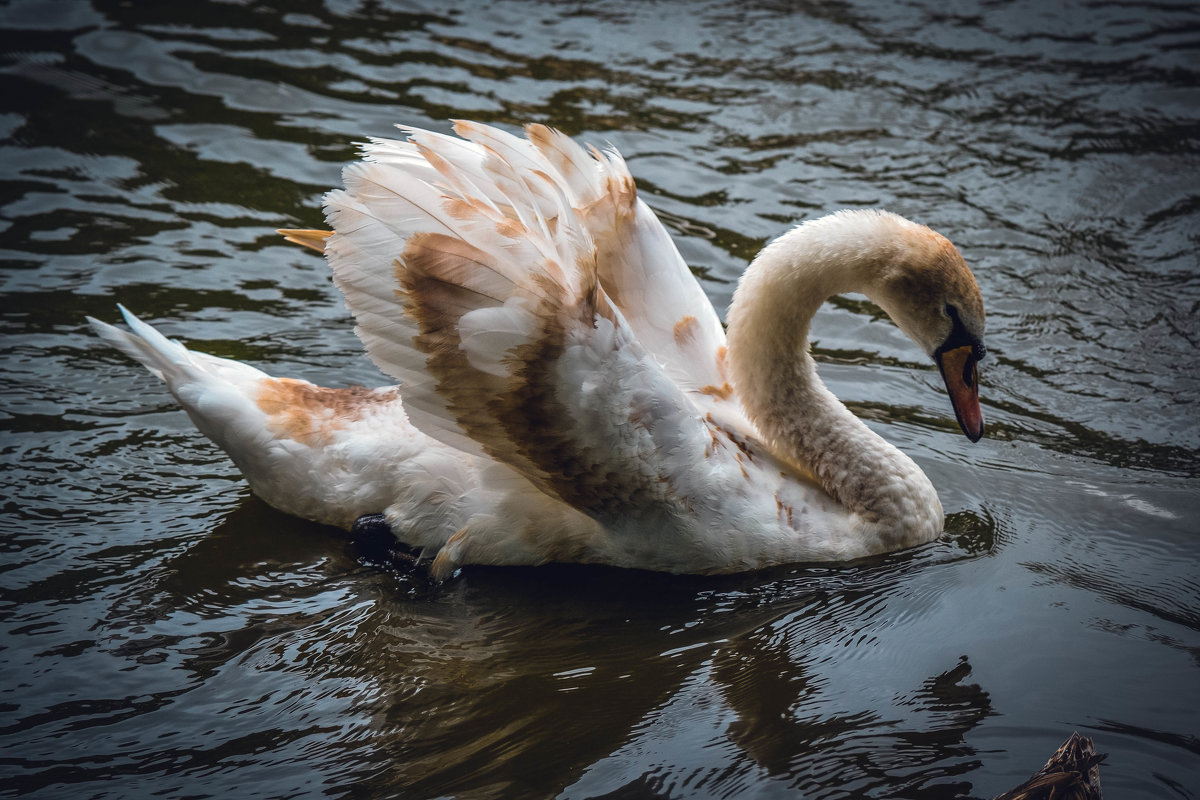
{"x": 1072, "y": 773}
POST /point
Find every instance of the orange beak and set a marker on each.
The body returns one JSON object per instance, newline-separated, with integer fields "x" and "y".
{"x": 961, "y": 375}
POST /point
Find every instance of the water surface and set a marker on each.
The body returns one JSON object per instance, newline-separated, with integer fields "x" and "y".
{"x": 168, "y": 635}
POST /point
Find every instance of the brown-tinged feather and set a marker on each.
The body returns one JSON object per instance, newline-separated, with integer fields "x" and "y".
{"x": 685, "y": 331}
{"x": 943, "y": 271}
{"x": 722, "y": 392}
{"x": 518, "y": 418}
{"x": 723, "y": 362}
{"x": 310, "y": 414}
{"x": 614, "y": 211}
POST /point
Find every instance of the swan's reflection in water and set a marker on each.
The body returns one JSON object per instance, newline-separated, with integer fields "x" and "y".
{"x": 502, "y": 681}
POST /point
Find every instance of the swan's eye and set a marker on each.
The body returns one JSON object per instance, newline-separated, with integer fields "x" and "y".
{"x": 959, "y": 337}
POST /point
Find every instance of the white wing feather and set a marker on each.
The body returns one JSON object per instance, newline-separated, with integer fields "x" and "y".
{"x": 485, "y": 291}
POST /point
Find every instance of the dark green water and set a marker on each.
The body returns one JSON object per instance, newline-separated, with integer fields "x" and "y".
{"x": 167, "y": 635}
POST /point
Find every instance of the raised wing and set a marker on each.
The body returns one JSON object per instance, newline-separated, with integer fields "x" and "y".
{"x": 638, "y": 264}
{"x": 479, "y": 275}
{"x": 642, "y": 272}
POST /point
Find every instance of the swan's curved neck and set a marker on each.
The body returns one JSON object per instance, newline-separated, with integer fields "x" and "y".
{"x": 776, "y": 378}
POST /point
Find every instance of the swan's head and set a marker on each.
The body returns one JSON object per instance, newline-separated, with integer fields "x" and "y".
{"x": 914, "y": 274}
{"x": 928, "y": 290}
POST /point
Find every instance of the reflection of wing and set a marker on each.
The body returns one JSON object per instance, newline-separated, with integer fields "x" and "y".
{"x": 483, "y": 274}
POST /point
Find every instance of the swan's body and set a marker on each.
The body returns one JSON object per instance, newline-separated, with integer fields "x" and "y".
{"x": 569, "y": 394}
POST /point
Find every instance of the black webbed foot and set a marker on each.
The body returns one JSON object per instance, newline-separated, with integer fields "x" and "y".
{"x": 374, "y": 538}
{"x": 370, "y": 525}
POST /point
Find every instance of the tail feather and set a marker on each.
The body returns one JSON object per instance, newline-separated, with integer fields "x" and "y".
{"x": 328, "y": 455}
{"x": 168, "y": 360}
{"x": 164, "y": 357}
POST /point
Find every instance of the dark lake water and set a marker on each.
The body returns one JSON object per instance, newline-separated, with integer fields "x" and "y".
{"x": 167, "y": 635}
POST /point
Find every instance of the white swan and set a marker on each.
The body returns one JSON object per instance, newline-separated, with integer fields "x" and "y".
{"x": 569, "y": 394}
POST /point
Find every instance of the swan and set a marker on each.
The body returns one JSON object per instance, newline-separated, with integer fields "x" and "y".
{"x": 568, "y": 393}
